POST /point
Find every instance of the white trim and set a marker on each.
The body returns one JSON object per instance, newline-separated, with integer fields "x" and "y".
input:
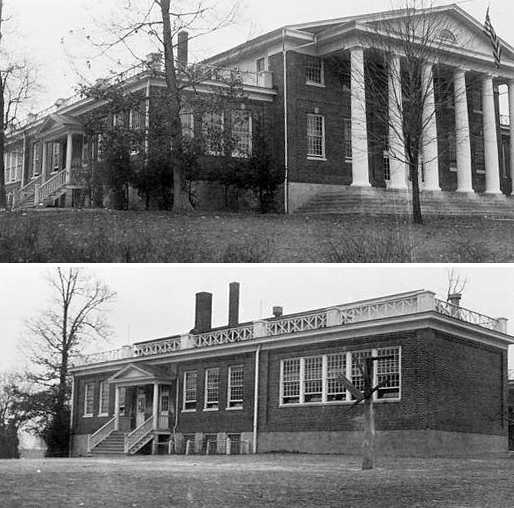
{"x": 310, "y": 134}
{"x": 184, "y": 401}
{"x": 229, "y": 387}
{"x": 86, "y": 394}
{"x": 103, "y": 385}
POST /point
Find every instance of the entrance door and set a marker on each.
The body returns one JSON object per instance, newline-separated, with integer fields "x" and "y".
{"x": 141, "y": 406}
{"x": 164, "y": 407}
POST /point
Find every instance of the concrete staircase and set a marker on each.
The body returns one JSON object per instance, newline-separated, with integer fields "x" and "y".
{"x": 114, "y": 444}
{"x": 376, "y": 201}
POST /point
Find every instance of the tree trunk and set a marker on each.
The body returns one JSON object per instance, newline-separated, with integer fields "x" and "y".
{"x": 3, "y": 199}
{"x": 417, "y": 217}
{"x": 369, "y": 434}
{"x": 181, "y": 201}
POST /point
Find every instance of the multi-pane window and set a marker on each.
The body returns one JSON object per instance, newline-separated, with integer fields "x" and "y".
{"x": 291, "y": 381}
{"x": 315, "y": 379}
{"x": 18, "y": 165}
{"x": 121, "y": 402}
{"x": 103, "y": 408}
{"x": 187, "y": 122}
{"x": 212, "y": 388}
{"x": 212, "y": 132}
{"x": 36, "y": 160}
{"x": 315, "y": 136}
{"x": 478, "y": 148}
{"x": 235, "y": 386}
{"x": 135, "y": 120}
{"x": 56, "y": 156}
{"x": 242, "y": 133}
{"x": 452, "y": 150}
{"x": 387, "y": 165}
{"x": 476, "y": 98}
{"x": 89, "y": 399}
{"x": 314, "y": 70}
{"x": 164, "y": 403}
{"x": 190, "y": 379}
{"x": 260, "y": 65}
{"x": 7, "y": 167}
{"x": 347, "y": 132}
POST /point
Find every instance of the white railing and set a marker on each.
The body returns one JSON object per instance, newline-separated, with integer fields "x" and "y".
{"x": 379, "y": 310}
{"x": 26, "y": 191}
{"x": 297, "y": 324}
{"x": 469, "y": 316}
{"x": 104, "y": 356}
{"x": 226, "y": 336}
{"x": 157, "y": 347}
{"x": 50, "y": 186}
{"x": 133, "y": 439}
{"x": 102, "y": 433}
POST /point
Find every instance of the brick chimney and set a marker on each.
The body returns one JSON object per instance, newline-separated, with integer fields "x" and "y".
{"x": 278, "y": 311}
{"x": 454, "y": 299}
{"x": 233, "y": 304}
{"x": 182, "y": 49}
{"x": 203, "y": 313}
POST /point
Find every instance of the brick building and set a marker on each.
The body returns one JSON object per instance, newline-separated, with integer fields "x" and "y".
{"x": 309, "y": 86}
{"x": 272, "y": 384}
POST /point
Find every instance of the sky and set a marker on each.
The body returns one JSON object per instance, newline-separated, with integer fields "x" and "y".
{"x": 51, "y": 31}
{"x": 158, "y": 300}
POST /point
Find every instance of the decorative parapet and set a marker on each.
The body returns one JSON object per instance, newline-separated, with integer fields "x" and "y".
{"x": 370, "y": 310}
{"x": 104, "y": 356}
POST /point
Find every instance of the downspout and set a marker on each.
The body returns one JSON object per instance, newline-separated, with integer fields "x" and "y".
{"x": 286, "y": 118}
{"x": 72, "y": 406}
{"x": 256, "y": 399}
{"x": 176, "y": 415}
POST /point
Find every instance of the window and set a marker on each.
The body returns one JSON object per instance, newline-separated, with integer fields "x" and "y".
{"x": 314, "y": 380}
{"x": 476, "y": 98}
{"x": 316, "y": 136}
{"x": 99, "y": 146}
{"x": 387, "y": 165}
{"x": 235, "y": 386}
{"x": 56, "y": 156}
{"x": 260, "y": 64}
{"x": 242, "y": 133}
{"x": 212, "y": 131}
{"x": 36, "y": 161}
{"x": 452, "y": 150}
{"x": 212, "y": 388}
{"x": 164, "y": 403}
{"x": 135, "y": 120}
{"x": 187, "y": 121}
{"x": 447, "y": 36}
{"x": 347, "y": 131}
{"x": 478, "y": 149}
{"x": 190, "y": 390}
{"x": 116, "y": 120}
{"x": 19, "y": 165}
{"x": 89, "y": 398}
{"x": 103, "y": 408}
{"x": 7, "y": 167}
{"x": 314, "y": 70}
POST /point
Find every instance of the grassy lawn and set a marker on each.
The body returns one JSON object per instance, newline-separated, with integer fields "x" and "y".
{"x": 107, "y": 236}
{"x": 256, "y": 481}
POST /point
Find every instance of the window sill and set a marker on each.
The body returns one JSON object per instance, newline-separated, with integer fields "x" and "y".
{"x": 480, "y": 171}
{"x": 103, "y": 415}
{"x": 210, "y": 409}
{"x": 453, "y": 169}
{"x": 234, "y": 408}
{"x": 188, "y": 411}
{"x": 335, "y": 403}
{"x": 87, "y": 416}
{"x": 314, "y": 158}
{"x": 313, "y": 83}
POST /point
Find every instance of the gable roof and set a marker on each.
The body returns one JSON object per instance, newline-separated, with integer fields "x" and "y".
{"x": 141, "y": 373}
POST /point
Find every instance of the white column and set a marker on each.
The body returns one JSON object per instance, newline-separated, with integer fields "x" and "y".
{"x": 69, "y": 155}
{"x": 117, "y": 408}
{"x": 396, "y": 140}
{"x": 44, "y": 162}
{"x": 492, "y": 166}
{"x": 155, "y": 405}
{"x": 360, "y": 171}
{"x": 511, "y": 121}
{"x": 429, "y": 134}
{"x": 464, "y": 183}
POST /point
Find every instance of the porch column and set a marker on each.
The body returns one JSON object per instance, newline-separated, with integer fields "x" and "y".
{"x": 44, "y": 161}
{"x": 429, "y": 141}
{"x": 360, "y": 171}
{"x": 492, "y": 166}
{"x": 117, "y": 408}
{"x": 155, "y": 406}
{"x": 464, "y": 183}
{"x": 511, "y": 131}
{"x": 69, "y": 156}
{"x": 396, "y": 140}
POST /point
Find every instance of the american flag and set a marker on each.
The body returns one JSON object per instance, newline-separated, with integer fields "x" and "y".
{"x": 495, "y": 42}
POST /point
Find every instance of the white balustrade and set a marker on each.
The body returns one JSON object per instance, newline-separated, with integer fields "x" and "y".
{"x": 297, "y": 324}
{"x": 226, "y": 336}
{"x": 379, "y": 310}
{"x": 469, "y": 316}
{"x": 134, "y": 439}
{"x": 102, "y": 433}
{"x": 158, "y": 347}
{"x": 50, "y": 186}
{"x": 104, "y": 356}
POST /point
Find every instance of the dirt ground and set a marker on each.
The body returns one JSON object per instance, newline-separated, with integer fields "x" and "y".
{"x": 291, "y": 480}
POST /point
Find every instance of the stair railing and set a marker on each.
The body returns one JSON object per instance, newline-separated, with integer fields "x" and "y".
{"x": 56, "y": 182}
{"x": 137, "y": 435}
{"x": 101, "y": 434}
{"x": 26, "y": 191}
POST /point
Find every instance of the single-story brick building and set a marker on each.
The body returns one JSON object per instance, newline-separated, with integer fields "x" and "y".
{"x": 274, "y": 384}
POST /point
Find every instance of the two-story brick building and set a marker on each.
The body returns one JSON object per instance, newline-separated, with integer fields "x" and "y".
{"x": 311, "y": 83}
{"x": 274, "y": 384}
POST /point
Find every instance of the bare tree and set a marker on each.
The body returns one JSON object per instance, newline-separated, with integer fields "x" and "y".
{"x": 162, "y": 21}
{"x": 402, "y": 87}
{"x": 456, "y": 284}
{"x": 17, "y": 79}
{"x": 76, "y": 318}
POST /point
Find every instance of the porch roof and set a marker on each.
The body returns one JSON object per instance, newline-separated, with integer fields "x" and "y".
{"x": 136, "y": 374}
